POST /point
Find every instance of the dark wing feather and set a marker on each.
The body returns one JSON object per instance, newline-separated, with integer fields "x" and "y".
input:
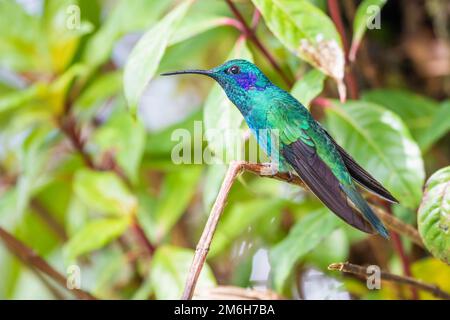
{"x": 322, "y": 182}
{"x": 362, "y": 176}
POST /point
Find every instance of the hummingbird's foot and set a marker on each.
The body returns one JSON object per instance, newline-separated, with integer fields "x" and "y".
{"x": 290, "y": 177}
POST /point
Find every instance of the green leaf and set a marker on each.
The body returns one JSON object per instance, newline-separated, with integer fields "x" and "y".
{"x": 34, "y": 155}
{"x": 439, "y": 127}
{"x": 169, "y": 271}
{"x": 239, "y": 218}
{"x": 335, "y": 247}
{"x": 434, "y": 215}
{"x": 104, "y": 191}
{"x": 364, "y": 16}
{"x": 308, "y": 87}
{"x": 308, "y": 32}
{"x": 95, "y": 235}
{"x": 125, "y": 138}
{"x": 176, "y": 193}
{"x": 63, "y": 28}
{"x": 77, "y": 216}
{"x": 17, "y": 99}
{"x": 434, "y": 272}
{"x": 146, "y": 55}
{"x": 306, "y": 234}
{"x": 380, "y": 143}
{"x": 215, "y": 173}
{"x": 416, "y": 111}
{"x": 126, "y": 17}
{"x": 194, "y": 24}
{"x": 102, "y": 88}
{"x": 222, "y": 119}
{"x": 21, "y": 41}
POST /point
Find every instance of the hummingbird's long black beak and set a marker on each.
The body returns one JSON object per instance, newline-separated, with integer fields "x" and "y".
{"x": 194, "y": 71}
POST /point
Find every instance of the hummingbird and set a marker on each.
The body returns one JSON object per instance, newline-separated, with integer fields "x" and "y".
{"x": 303, "y": 146}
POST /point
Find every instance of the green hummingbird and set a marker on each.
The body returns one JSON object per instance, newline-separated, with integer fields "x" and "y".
{"x": 303, "y": 146}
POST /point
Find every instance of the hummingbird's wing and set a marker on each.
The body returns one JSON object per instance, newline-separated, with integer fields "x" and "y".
{"x": 360, "y": 175}
{"x": 323, "y": 183}
{"x": 300, "y": 151}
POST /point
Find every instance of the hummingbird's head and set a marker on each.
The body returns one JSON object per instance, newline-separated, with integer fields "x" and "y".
{"x": 239, "y": 78}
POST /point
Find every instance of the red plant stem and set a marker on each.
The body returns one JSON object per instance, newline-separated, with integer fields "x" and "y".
{"x": 321, "y": 102}
{"x": 233, "y": 23}
{"x": 335, "y": 14}
{"x": 349, "y": 77}
{"x": 251, "y": 35}
{"x": 69, "y": 127}
{"x": 398, "y": 246}
{"x": 142, "y": 237}
{"x": 34, "y": 261}
{"x": 255, "y": 19}
{"x": 400, "y": 250}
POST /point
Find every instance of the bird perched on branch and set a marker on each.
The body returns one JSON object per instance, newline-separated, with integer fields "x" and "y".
{"x": 288, "y": 133}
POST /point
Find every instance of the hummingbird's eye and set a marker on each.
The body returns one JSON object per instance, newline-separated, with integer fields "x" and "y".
{"x": 234, "y": 70}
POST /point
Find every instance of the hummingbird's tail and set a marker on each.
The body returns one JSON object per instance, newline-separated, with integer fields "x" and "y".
{"x": 363, "y": 207}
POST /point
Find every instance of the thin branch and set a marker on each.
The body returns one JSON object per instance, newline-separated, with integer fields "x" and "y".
{"x": 399, "y": 248}
{"x": 362, "y": 271}
{"x": 142, "y": 237}
{"x": 250, "y": 34}
{"x": 48, "y": 218}
{"x": 29, "y": 257}
{"x": 399, "y": 226}
{"x": 263, "y": 170}
{"x": 236, "y": 293}
{"x": 208, "y": 232}
{"x": 406, "y": 266}
{"x": 69, "y": 127}
{"x": 54, "y": 291}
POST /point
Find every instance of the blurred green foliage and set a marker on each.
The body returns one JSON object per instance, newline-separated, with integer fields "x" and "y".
{"x": 85, "y": 180}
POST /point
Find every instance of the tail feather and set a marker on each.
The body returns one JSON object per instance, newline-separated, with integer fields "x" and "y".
{"x": 365, "y": 209}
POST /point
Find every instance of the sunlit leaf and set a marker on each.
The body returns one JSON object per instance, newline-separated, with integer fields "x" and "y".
{"x": 33, "y": 158}
{"x": 178, "y": 188}
{"x": 238, "y": 218}
{"x": 303, "y": 237}
{"x": 308, "y": 32}
{"x": 16, "y": 99}
{"x": 379, "y": 141}
{"x": 63, "y": 28}
{"x": 104, "y": 191}
{"x": 439, "y": 127}
{"x": 333, "y": 248}
{"x": 215, "y": 173}
{"x": 194, "y": 24}
{"x": 364, "y": 17}
{"x": 434, "y": 215}
{"x": 95, "y": 235}
{"x": 102, "y": 88}
{"x": 308, "y": 87}
{"x": 146, "y": 55}
{"x": 431, "y": 271}
{"x": 169, "y": 271}
{"x": 416, "y": 111}
{"x": 21, "y": 35}
{"x": 126, "y": 16}
{"x": 125, "y": 139}
{"x": 222, "y": 119}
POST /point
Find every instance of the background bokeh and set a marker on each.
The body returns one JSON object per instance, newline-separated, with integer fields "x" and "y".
{"x": 86, "y": 173}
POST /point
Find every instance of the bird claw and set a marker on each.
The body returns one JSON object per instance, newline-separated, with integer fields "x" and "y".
{"x": 290, "y": 176}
